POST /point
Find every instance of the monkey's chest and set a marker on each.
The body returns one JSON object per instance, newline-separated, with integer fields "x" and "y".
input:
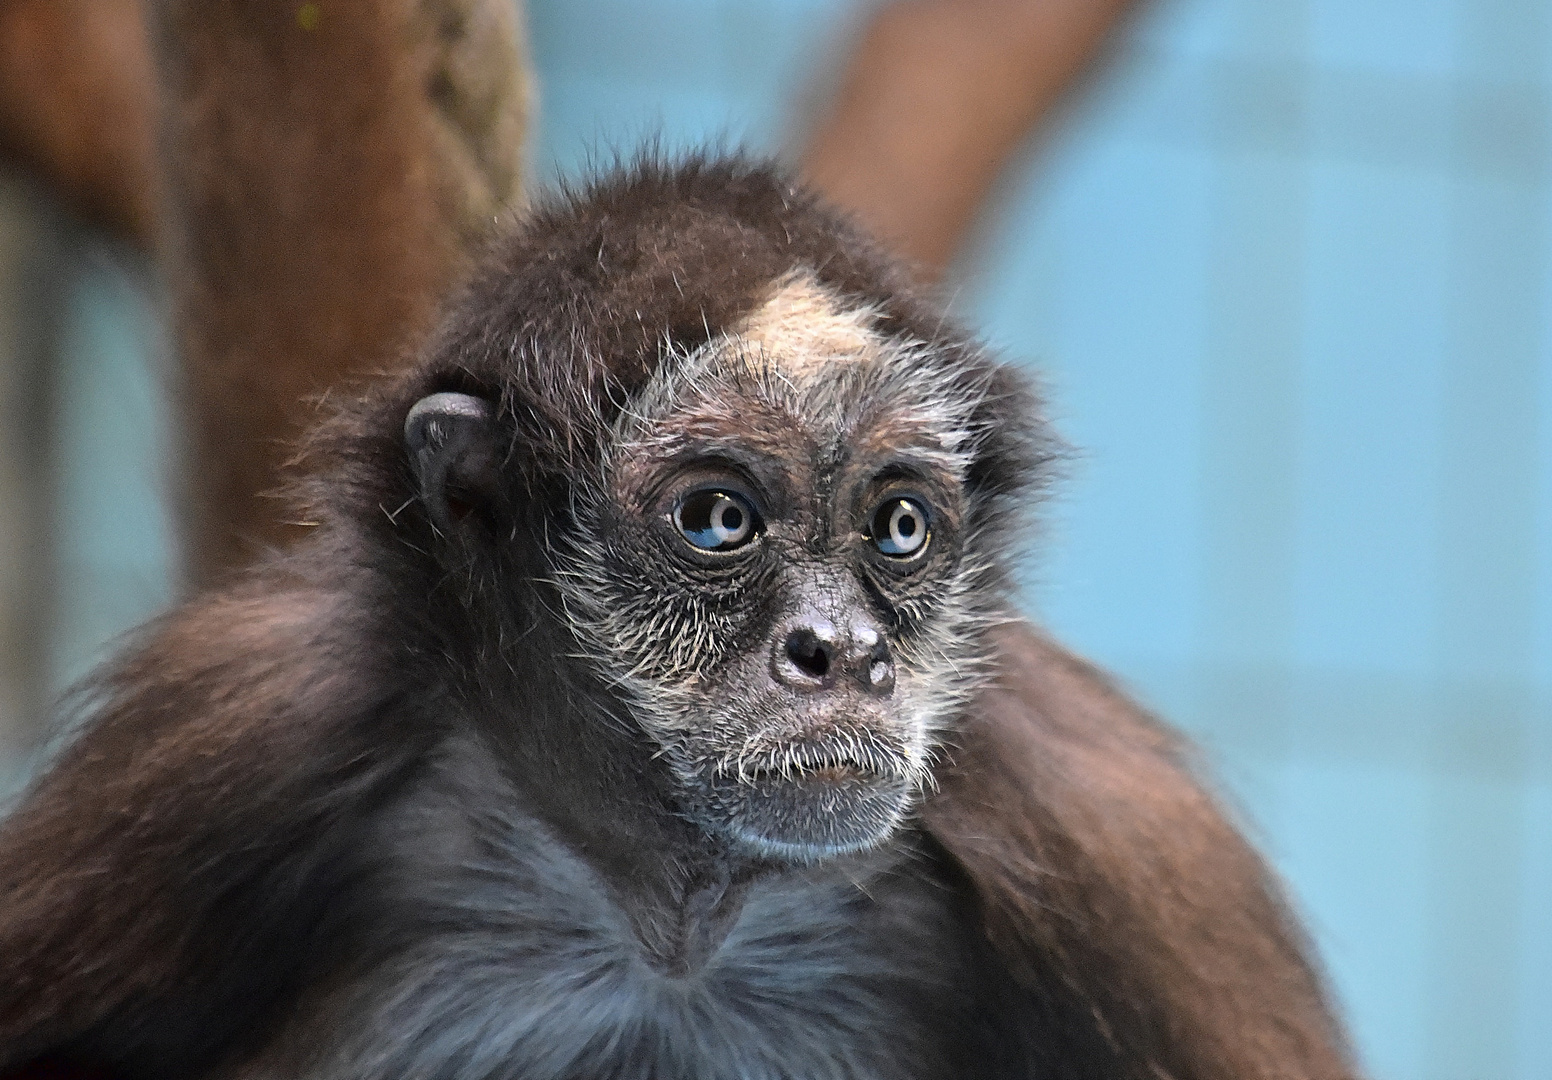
{"x": 530, "y": 972}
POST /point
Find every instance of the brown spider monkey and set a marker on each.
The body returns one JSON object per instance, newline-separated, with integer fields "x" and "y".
{"x": 647, "y": 703}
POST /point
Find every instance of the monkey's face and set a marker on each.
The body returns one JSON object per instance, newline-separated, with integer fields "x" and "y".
{"x": 780, "y": 570}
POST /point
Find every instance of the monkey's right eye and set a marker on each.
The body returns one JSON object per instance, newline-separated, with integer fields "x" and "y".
{"x": 717, "y": 520}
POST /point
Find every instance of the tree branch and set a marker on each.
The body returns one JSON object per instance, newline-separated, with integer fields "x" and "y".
{"x": 328, "y": 163}
{"x": 936, "y": 98}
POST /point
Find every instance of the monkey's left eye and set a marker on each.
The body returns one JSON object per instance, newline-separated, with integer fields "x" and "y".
{"x": 899, "y": 527}
{"x": 716, "y": 520}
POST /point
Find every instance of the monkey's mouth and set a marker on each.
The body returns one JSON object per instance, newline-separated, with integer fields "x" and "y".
{"x": 836, "y": 773}
{"x": 804, "y": 764}
{"x": 804, "y": 801}
{"x": 829, "y": 772}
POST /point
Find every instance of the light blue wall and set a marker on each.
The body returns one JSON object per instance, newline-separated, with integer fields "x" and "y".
{"x": 115, "y": 564}
{"x": 1287, "y": 269}
{"x": 1284, "y": 267}
{"x": 109, "y": 455}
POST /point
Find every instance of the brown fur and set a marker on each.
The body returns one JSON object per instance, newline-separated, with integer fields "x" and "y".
{"x": 184, "y": 871}
{"x": 233, "y": 727}
{"x": 1092, "y": 846}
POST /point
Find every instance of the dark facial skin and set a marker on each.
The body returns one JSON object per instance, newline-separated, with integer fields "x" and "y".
{"x": 775, "y": 663}
{"x": 807, "y": 734}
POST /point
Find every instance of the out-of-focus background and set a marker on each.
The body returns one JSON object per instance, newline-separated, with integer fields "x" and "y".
{"x": 1285, "y": 267}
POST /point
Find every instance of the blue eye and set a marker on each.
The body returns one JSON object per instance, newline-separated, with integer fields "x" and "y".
{"x": 899, "y": 527}
{"x": 716, "y": 520}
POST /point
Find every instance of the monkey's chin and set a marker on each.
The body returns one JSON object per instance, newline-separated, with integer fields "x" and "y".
{"x": 809, "y": 818}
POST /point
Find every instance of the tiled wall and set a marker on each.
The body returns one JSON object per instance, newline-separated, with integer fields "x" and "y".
{"x": 1287, "y": 266}
{"x": 1284, "y": 266}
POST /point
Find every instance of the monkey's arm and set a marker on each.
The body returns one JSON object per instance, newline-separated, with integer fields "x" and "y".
{"x": 1112, "y": 884}
{"x": 159, "y": 885}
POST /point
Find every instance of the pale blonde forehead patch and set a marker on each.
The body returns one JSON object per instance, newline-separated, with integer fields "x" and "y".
{"x": 802, "y": 328}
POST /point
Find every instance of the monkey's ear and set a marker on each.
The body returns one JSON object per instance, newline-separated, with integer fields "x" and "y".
{"x": 452, "y": 443}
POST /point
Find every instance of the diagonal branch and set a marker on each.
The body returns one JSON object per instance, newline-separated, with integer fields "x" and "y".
{"x": 936, "y": 98}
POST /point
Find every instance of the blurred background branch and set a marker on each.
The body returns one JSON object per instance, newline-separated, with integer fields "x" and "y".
{"x": 327, "y": 166}
{"x": 78, "y": 106}
{"x": 936, "y": 97}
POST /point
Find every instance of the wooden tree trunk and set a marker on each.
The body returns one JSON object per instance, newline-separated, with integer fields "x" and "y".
{"x": 78, "y": 106}
{"x": 327, "y": 163}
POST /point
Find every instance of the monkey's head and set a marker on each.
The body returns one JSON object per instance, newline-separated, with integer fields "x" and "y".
{"x": 766, "y": 489}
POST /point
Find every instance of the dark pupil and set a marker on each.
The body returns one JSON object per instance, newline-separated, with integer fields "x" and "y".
{"x": 716, "y": 520}
{"x": 899, "y": 527}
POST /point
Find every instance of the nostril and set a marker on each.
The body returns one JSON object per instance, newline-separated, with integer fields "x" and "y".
{"x": 809, "y": 653}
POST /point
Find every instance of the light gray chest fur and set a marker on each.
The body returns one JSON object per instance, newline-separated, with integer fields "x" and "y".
{"x": 501, "y": 955}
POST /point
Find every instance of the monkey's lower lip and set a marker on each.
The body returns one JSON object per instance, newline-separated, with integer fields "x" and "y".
{"x": 825, "y": 808}
{"x": 825, "y": 772}
{"x": 833, "y": 773}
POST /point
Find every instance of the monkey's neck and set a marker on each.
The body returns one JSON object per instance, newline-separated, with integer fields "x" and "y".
{"x": 683, "y": 921}
{"x": 680, "y": 889}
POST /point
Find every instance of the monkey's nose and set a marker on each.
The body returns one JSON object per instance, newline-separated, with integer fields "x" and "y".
{"x": 816, "y": 655}
{"x": 810, "y": 654}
